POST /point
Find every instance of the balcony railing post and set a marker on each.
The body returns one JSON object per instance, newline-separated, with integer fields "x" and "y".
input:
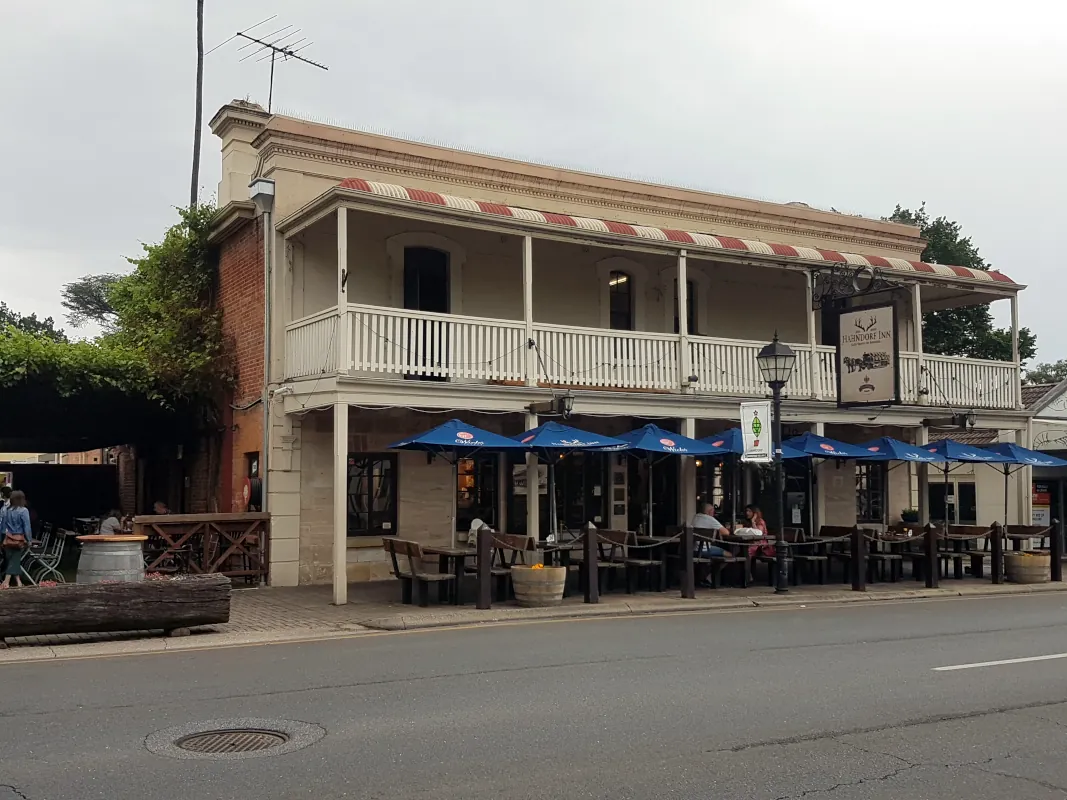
{"x": 814, "y": 368}
{"x": 682, "y": 311}
{"x": 527, "y": 311}
{"x": 343, "y": 342}
{"x": 922, "y": 398}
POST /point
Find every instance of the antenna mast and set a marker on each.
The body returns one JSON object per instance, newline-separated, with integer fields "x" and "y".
{"x": 280, "y": 45}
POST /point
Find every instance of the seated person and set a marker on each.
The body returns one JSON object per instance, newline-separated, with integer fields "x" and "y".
{"x": 112, "y": 524}
{"x": 705, "y": 522}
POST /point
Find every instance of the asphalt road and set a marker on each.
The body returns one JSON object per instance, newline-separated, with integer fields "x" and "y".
{"x": 842, "y": 703}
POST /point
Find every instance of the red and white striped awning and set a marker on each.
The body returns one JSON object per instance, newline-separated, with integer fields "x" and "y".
{"x": 700, "y": 240}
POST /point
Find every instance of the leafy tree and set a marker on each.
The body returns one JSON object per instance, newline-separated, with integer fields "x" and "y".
{"x": 966, "y": 332}
{"x": 88, "y": 299}
{"x": 165, "y": 312}
{"x": 1047, "y": 373}
{"x": 30, "y": 324}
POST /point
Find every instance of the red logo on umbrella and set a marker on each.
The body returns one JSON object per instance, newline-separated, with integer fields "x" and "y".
{"x": 465, "y": 435}
{"x": 829, "y": 447}
{"x": 667, "y": 442}
{"x": 527, "y": 439}
{"x": 874, "y": 449}
{"x": 719, "y": 443}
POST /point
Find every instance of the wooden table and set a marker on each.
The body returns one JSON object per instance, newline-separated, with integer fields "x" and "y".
{"x": 559, "y": 554}
{"x": 456, "y": 557}
{"x": 747, "y": 547}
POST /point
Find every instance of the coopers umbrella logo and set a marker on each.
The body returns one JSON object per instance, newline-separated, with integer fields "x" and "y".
{"x": 719, "y": 443}
{"x": 467, "y": 438}
{"x": 528, "y": 439}
{"x": 667, "y": 442}
{"x": 465, "y": 435}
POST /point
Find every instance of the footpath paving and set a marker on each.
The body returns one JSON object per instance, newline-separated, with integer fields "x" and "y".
{"x": 277, "y": 615}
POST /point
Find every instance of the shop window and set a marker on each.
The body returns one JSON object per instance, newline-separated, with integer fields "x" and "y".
{"x": 372, "y": 484}
{"x": 870, "y": 492}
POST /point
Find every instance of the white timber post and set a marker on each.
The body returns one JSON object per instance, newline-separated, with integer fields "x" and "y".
{"x": 917, "y": 341}
{"x": 527, "y": 314}
{"x": 815, "y": 368}
{"x": 340, "y": 504}
{"x": 922, "y": 438}
{"x": 1015, "y": 357}
{"x": 682, "y": 310}
{"x": 344, "y": 334}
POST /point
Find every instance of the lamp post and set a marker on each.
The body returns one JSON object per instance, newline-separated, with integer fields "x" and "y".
{"x": 776, "y": 362}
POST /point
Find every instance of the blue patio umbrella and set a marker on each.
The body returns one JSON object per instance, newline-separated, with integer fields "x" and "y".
{"x": 551, "y": 440}
{"x": 822, "y": 447}
{"x": 731, "y": 440}
{"x": 961, "y": 453}
{"x": 652, "y": 440}
{"x": 889, "y": 449}
{"x": 1023, "y": 457}
{"x": 454, "y": 440}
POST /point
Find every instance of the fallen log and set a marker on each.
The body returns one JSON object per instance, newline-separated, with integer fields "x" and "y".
{"x": 111, "y": 607}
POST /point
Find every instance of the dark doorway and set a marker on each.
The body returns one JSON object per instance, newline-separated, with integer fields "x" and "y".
{"x": 427, "y": 288}
{"x": 476, "y": 492}
{"x": 664, "y": 494}
{"x": 581, "y": 490}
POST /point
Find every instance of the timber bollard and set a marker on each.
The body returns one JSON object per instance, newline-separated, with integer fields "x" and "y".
{"x": 930, "y": 564}
{"x": 592, "y": 571}
{"x": 485, "y": 568}
{"x": 688, "y": 575}
{"x": 859, "y": 561}
{"x": 996, "y": 570}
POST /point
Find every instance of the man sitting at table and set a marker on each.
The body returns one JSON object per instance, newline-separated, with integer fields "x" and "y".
{"x": 706, "y": 523}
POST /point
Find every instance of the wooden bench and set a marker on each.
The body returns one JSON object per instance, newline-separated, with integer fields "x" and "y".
{"x": 615, "y": 547}
{"x": 399, "y": 549}
{"x": 611, "y": 554}
{"x": 508, "y": 549}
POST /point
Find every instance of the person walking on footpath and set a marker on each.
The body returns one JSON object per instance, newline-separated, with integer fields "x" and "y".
{"x": 16, "y": 535}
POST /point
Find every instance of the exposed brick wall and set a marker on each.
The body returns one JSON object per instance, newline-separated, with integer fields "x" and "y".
{"x": 240, "y": 297}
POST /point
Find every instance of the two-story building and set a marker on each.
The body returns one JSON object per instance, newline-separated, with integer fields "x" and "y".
{"x": 411, "y": 283}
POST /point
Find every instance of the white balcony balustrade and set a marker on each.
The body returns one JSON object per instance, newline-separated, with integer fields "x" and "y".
{"x": 397, "y": 343}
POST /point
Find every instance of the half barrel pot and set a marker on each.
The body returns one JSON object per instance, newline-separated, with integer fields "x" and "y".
{"x": 538, "y": 587}
{"x": 1027, "y": 567}
{"x": 111, "y": 558}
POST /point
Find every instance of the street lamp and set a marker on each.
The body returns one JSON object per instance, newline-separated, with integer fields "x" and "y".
{"x": 261, "y": 192}
{"x": 776, "y": 362}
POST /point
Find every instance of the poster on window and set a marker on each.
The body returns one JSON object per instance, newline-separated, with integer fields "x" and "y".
{"x": 7, "y": 479}
{"x": 756, "y": 434}
{"x": 518, "y": 479}
{"x": 1041, "y": 504}
{"x": 867, "y": 356}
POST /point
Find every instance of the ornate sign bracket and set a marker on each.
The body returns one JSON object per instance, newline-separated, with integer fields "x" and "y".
{"x": 842, "y": 281}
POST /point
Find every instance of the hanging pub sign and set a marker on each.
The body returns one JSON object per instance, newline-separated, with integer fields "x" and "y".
{"x": 756, "y": 434}
{"x": 868, "y": 357}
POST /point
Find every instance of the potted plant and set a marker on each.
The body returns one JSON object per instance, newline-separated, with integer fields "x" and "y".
{"x": 909, "y": 515}
{"x": 1024, "y": 567}
{"x": 538, "y": 586}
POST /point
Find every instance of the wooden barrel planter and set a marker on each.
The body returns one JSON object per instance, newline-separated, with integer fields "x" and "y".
{"x": 1027, "y": 567}
{"x": 538, "y": 587}
{"x": 111, "y": 558}
{"x": 171, "y": 605}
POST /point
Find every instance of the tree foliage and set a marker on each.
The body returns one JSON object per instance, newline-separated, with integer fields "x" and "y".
{"x": 967, "y": 332}
{"x": 88, "y": 299}
{"x": 165, "y": 312}
{"x": 164, "y": 341}
{"x": 30, "y": 324}
{"x": 1047, "y": 373}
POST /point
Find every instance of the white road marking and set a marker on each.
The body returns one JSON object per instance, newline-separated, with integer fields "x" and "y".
{"x": 1000, "y": 663}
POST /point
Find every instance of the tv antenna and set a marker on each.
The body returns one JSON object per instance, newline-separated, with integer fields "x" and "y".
{"x": 279, "y": 45}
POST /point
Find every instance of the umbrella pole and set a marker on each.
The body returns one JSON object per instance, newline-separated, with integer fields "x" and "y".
{"x": 946, "y": 499}
{"x": 649, "y": 531}
{"x": 552, "y": 516}
{"x": 1005, "y": 496}
{"x": 455, "y": 488}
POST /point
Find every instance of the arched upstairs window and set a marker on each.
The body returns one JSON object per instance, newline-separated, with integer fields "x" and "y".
{"x": 620, "y": 301}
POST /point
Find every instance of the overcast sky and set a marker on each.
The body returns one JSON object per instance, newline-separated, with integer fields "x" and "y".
{"x": 855, "y": 105}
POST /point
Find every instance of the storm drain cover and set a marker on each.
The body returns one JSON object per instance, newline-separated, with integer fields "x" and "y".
{"x": 228, "y": 739}
{"x": 232, "y": 741}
